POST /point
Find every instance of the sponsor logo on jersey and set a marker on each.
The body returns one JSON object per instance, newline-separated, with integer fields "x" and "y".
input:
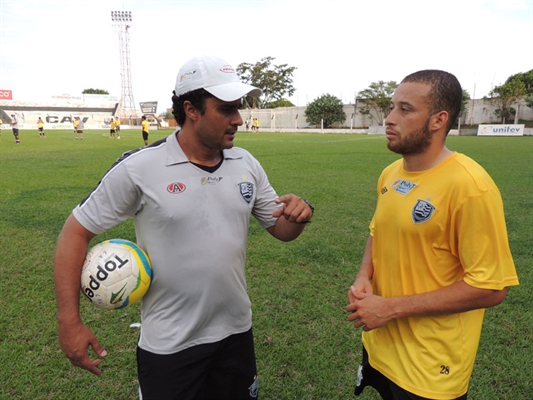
{"x": 422, "y": 211}
{"x": 176, "y": 187}
{"x": 247, "y": 191}
{"x": 384, "y": 190}
{"x": 402, "y": 186}
{"x": 209, "y": 180}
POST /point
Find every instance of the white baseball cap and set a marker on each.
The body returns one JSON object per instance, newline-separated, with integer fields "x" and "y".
{"x": 215, "y": 76}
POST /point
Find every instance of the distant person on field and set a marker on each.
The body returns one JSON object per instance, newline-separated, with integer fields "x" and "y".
{"x": 117, "y": 127}
{"x": 255, "y": 125}
{"x": 437, "y": 255}
{"x": 1, "y": 125}
{"x": 196, "y": 339}
{"x": 112, "y": 128}
{"x": 15, "y": 127}
{"x": 145, "y": 129}
{"x": 247, "y": 123}
{"x": 78, "y": 126}
{"x": 40, "y": 127}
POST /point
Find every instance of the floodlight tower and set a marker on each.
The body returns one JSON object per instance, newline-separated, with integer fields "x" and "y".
{"x": 122, "y": 22}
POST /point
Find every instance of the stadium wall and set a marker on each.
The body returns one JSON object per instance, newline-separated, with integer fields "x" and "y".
{"x": 287, "y": 119}
{"x": 281, "y": 119}
{"x": 57, "y": 116}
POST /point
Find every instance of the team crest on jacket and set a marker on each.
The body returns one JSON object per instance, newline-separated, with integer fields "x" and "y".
{"x": 176, "y": 187}
{"x": 247, "y": 191}
{"x": 422, "y": 211}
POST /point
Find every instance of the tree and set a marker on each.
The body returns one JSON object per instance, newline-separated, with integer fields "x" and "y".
{"x": 94, "y": 91}
{"x": 526, "y": 78}
{"x": 466, "y": 97}
{"x": 505, "y": 95}
{"x": 279, "y": 103}
{"x": 275, "y": 81}
{"x": 327, "y": 108}
{"x": 376, "y": 99}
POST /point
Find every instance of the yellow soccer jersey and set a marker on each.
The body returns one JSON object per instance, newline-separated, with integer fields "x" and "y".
{"x": 39, "y": 123}
{"x": 112, "y": 124}
{"x": 430, "y": 230}
{"x": 145, "y": 126}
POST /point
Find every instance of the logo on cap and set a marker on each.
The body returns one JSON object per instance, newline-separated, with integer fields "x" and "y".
{"x": 187, "y": 75}
{"x": 228, "y": 69}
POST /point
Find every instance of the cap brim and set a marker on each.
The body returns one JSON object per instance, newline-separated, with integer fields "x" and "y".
{"x": 233, "y": 91}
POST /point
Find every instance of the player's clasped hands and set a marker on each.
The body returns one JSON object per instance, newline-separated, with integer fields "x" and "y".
{"x": 367, "y": 310}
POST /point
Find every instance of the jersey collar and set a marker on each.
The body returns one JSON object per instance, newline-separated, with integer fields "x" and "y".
{"x": 175, "y": 154}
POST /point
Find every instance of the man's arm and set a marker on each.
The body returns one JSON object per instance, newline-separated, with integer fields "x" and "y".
{"x": 362, "y": 283}
{"x": 74, "y": 337}
{"x": 371, "y": 311}
{"x": 292, "y": 216}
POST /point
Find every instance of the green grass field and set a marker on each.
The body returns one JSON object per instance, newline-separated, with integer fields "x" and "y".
{"x": 305, "y": 347}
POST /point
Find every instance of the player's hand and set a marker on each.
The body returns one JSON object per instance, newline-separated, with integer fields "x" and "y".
{"x": 370, "y": 311}
{"x": 293, "y": 209}
{"x": 75, "y": 341}
{"x": 360, "y": 287}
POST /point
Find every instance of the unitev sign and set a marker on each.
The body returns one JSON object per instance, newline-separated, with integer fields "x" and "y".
{"x": 6, "y": 94}
{"x": 501, "y": 130}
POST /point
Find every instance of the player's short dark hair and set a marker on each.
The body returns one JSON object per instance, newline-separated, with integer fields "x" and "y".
{"x": 446, "y": 93}
{"x": 196, "y": 97}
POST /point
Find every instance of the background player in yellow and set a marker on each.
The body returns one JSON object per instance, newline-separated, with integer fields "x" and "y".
{"x": 112, "y": 128}
{"x": 40, "y": 127}
{"x": 437, "y": 255}
{"x": 117, "y": 127}
{"x": 145, "y": 129}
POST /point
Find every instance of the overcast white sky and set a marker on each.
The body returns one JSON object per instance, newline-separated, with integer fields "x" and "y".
{"x": 339, "y": 47}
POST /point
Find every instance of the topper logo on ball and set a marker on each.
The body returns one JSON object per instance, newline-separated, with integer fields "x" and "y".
{"x": 102, "y": 274}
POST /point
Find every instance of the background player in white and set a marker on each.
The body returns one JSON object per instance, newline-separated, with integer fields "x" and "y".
{"x": 15, "y": 128}
{"x": 191, "y": 196}
{"x": 438, "y": 253}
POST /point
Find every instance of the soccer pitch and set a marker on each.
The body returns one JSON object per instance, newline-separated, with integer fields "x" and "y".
{"x": 305, "y": 347}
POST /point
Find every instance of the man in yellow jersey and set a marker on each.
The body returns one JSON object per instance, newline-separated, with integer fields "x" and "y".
{"x": 40, "y": 127}
{"x": 437, "y": 255}
{"x": 112, "y": 128}
{"x": 117, "y": 127}
{"x": 145, "y": 129}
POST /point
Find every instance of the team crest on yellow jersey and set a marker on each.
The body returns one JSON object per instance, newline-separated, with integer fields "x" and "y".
{"x": 422, "y": 211}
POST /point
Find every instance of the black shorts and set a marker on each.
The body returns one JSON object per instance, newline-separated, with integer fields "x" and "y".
{"x": 15, "y": 131}
{"x": 145, "y": 135}
{"x": 368, "y": 376}
{"x": 221, "y": 370}
{"x": 111, "y": 131}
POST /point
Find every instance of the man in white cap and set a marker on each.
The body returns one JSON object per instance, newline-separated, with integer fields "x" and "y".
{"x": 191, "y": 196}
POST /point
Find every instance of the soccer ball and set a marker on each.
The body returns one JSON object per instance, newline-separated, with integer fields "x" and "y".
{"x": 115, "y": 273}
